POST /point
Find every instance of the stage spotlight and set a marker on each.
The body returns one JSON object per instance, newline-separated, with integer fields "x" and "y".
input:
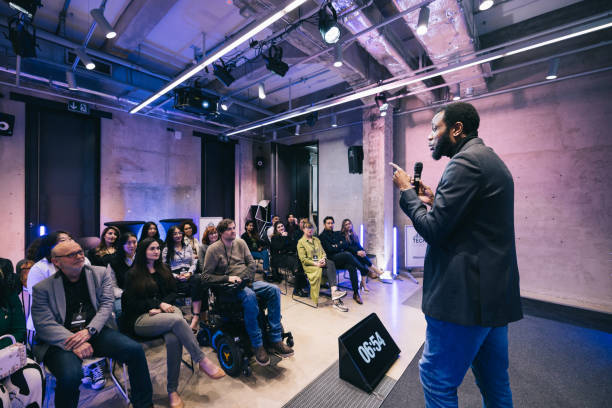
{"x": 423, "y": 21}
{"x": 553, "y": 68}
{"x": 338, "y": 56}
{"x": 225, "y": 105}
{"x": 457, "y": 93}
{"x": 274, "y": 61}
{"x": 27, "y": 7}
{"x": 261, "y": 91}
{"x": 71, "y": 80}
{"x": 485, "y": 5}
{"x": 334, "y": 121}
{"x": 297, "y": 129}
{"x": 381, "y": 101}
{"x": 89, "y": 64}
{"x": 223, "y": 74}
{"x": 98, "y": 15}
{"x": 328, "y": 23}
{"x": 24, "y": 43}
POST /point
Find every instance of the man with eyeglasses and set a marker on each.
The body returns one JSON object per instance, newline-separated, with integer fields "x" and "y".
{"x": 72, "y": 313}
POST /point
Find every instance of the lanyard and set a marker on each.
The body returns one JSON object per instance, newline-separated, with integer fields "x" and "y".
{"x": 227, "y": 258}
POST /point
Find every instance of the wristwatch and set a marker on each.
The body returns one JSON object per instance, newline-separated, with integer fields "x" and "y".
{"x": 92, "y": 331}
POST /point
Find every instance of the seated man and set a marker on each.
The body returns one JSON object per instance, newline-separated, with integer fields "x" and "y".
{"x": 71, "y": 311}
{"x": 336, "y": 248}
{"x": 229, "y": 260}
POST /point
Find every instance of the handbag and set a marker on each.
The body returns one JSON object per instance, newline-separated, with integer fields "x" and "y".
{"x": 12, "y": 358}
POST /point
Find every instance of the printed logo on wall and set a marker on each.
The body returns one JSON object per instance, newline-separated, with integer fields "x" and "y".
{"x": 415, "y": 248}
{"x": 7, "y": 123}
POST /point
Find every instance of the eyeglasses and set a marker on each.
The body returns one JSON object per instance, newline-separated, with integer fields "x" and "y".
{"x": 72, "y": 255}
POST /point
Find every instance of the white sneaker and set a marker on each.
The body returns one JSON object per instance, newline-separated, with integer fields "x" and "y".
{"x": 86, "y": 380}
{"x": 98, "y": 380}
{"x": 338, "y": 305}
{"x": 337, "y": 294}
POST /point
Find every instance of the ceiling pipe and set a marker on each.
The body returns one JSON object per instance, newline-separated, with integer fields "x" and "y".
{"x": 488, "y": 94}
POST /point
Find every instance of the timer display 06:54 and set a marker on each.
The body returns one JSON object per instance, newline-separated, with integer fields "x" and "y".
{"x": 368, "y": 349}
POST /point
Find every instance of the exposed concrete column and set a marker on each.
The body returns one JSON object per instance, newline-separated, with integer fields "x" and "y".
{"x": 378, "y": 186}
{"x": 246, "y": 183}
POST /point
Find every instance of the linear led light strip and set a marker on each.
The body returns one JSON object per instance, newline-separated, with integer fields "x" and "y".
{"x": 229, "y": 47}
{"x": 606, "y": 23}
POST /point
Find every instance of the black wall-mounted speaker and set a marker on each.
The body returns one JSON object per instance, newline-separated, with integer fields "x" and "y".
{"x": 355, "y": 159}
{"x": 260, "y": 163}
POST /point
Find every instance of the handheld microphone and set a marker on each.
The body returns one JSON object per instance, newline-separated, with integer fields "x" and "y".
{"x": 418, "y": 169}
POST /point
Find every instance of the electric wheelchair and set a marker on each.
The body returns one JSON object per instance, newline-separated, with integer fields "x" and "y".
{"x": 225, "y": 330}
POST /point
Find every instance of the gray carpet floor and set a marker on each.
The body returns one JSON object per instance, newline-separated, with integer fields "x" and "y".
{"x": 329, "y": 391}
{"x": 552, "y": 365}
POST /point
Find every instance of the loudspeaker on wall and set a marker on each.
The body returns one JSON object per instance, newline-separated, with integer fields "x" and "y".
{"x": 355, "y": 159}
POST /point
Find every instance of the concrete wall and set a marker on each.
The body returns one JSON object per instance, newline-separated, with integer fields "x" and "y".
{"x": 146, "y": 172}
{"x": 340, "y": 193}
{"x": 12, "y": 182}
{"x": 556, "y": 141}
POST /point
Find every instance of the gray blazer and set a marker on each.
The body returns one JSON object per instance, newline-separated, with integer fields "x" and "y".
{"x": 49, "y": 307}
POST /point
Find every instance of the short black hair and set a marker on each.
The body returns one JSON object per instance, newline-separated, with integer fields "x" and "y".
{"x": 329, "y": 217}
{"x": 224, "y": 225}
{"x": 461, "y": 112}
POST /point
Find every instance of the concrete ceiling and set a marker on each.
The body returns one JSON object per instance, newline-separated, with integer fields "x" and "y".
{"x": 158, "y": 39}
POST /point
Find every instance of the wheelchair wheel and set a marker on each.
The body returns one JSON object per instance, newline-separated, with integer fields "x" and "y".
{"x": 230, "y": 356}
{"x": 203, "y": 337}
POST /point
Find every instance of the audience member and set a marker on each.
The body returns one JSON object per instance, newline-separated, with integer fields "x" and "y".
{"x": 150, "y": 230}
{"x": 354, "y": 247}
{"x": 11, "y": 280}
{"x": 200, "y": 291}
{"x": 336, "y": 248}
{"x": 150, "y": 291}
{"x": 256, "y": 245}
{"x": 33, "y": 250}
{"x": 23, "y": 388}
{"x": 44, "y": 267}
{"x": 270, "y": 229}
{"x": 72, "y": 315}
{"x": 105, "y": 252}
{"x": 229, "y": 260}
{"x": 179, "y": 257}
{"x": 189, "y": 231}
{"x": 284, "y": 251}
{"x": 23, "y": 269}
{"x": 314, "y": 261}
{"x": 126, "y": 252}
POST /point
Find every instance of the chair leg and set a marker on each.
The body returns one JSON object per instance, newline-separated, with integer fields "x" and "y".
{"x": 120, "y": 388}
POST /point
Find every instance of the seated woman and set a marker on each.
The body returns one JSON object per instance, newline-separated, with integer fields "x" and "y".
{"x": 199, "y": 293}
{"x": 24, "y": 388}
{"x": 23, "y": 270}
{"x": 147, "y": 308}
{"x": 190, "y": 230}
{"x": 314, "y": 261}
{"x": 179, "y": 257}
{"x": 150, "y": 230}
{"x": 256, "y": 245}
{"x": 105, "y": 252}
{"x": 356, "y": 249}
{"x": 284, "y": 255}
{"x": 121, "y": 264}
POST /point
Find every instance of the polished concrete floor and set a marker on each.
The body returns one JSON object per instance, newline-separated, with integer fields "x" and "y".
{"x": 315, "y": 333}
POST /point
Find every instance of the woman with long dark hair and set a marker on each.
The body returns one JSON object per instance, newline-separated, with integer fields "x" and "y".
{"x": 126, "y": 252}
{"x": 179, "y": 257}
{"x": 105, "y": 252}
{"x": 150, "y": 230}
{"x": 256, "y": 245}
{"x": 356, "y": 249}
{"x": 25, "y": 386}
{"x": 148, "y": 311}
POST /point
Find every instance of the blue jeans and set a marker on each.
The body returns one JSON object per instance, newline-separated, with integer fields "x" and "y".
{"x": 450, "y": 349}
{"x": 66, "y": 367}
{"x": 264, "y": 256}
{"x": 248, "y": 297}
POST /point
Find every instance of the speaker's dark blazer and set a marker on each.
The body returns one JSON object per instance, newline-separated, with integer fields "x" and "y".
{"x": 471, "y": 273}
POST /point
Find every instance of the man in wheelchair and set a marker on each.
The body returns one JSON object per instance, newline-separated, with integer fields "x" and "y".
{"x": 229, "y": 260}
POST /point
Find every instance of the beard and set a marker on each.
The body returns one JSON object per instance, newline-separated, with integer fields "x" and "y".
{"x": 443, "y": 146}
